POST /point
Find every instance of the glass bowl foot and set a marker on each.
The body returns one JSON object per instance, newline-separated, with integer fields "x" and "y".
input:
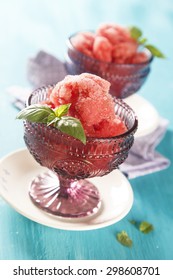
{"x": 64, "y": 197}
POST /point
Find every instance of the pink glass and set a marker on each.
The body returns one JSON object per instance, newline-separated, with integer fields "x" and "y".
{"x": 63, "y": 189}
{"x": 125, "y": 79}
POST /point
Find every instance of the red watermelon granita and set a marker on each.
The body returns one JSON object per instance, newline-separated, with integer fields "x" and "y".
{"x": 90, "y": 102}
{"x": 110, "y": 43}
{"x": 118, "y": 54}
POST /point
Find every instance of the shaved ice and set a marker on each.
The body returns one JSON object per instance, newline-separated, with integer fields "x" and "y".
{"x": 90, "y": 102}
{"x": 109, "y": 43}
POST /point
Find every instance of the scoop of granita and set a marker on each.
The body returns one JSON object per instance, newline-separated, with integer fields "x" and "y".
{"x": 83, "y": 42}
{"x": 102, "y": 49}
{"x": 124, "y": 51}
{"x": 90, "y": 102}
{"x": 114, "y": 33}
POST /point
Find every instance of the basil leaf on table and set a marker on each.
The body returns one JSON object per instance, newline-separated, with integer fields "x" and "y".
{"x": 145, "y": 227}
{"x": 124, "y": 239}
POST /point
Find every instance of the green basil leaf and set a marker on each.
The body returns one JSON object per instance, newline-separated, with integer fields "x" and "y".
{"x": 142, "y": 41}
{"x": 53, "y": 121}
{"x": 135, "y": 32}
{"x": 72, "y": 127}
{"x": 124, "y": 239}
{"x": 35, "y": 113}
{"x": 62, "y": 110}
{"x": 51, "y": 117}
{"x": 155, "y": 51}
{"x": 44, "y": 114}
{"x": 145, "y": 227}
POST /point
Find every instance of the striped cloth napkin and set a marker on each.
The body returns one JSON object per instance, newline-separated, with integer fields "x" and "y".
{"x": 143, "y": 158}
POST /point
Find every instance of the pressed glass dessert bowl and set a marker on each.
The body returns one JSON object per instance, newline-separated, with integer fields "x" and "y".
{"x": 126, "y": 79}
{"x": 63, "y": 191}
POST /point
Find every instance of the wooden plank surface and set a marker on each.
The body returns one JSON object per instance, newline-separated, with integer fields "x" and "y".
{"x": 35, "y": 25}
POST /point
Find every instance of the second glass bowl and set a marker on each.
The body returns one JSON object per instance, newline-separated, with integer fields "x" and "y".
{"x": 125, "y": 79}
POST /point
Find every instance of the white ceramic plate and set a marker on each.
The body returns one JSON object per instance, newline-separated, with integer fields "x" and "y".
{"x": 148, "y": 117}
{"x": 17, "y": 169}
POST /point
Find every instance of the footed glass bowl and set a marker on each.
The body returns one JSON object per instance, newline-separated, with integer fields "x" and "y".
{"x": 125, "y": 79}
{"x": 63, "y": 191}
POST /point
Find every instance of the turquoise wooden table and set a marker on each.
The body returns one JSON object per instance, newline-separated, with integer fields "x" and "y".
{"x": 25, "y": 28}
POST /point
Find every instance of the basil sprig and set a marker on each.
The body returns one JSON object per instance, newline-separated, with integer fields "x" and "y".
{"x": 136, "y": 34}
{"x": 56, "y": 117}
